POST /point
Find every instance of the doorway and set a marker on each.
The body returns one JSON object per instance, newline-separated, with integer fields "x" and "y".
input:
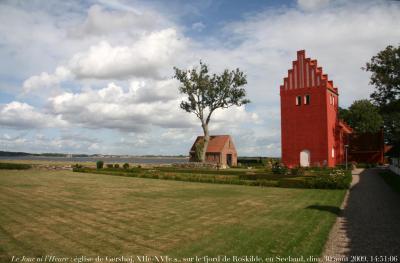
{"x": 229, "y": 160}
{"x": 305, "y": 158}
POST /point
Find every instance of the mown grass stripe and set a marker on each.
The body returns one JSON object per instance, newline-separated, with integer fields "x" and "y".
{"x": 100, "y": 234}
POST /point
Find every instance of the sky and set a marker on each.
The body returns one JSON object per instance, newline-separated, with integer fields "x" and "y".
{"x": 97, "y": 76}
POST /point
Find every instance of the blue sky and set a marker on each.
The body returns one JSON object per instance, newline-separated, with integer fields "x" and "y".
{"x": 95, "y": 76}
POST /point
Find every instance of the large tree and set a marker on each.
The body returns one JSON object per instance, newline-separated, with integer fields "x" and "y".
{"x": 385, "y": 69}
{"x": 362, "y": 116}
{"x": 208, "y": 92}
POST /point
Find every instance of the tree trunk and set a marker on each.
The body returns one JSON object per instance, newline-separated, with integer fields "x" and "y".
{"x": 206, "y": 140}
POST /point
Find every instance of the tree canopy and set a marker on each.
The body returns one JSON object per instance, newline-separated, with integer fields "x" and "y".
{"x": 362, "y": 116}
{"x": 208, "y": 92}
{"x": 385, "y": 69}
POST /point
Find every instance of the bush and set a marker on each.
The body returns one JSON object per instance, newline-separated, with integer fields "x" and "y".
{"x": 77, "y": 165}
{"x": 336, "y": 179}
{"x": 125, "y": 166}
{"x": 15, "y": 166}
{"x": 322, "y": 179}
{"x": 110, "y": 165}
{"x": 298, "y": 182}
{"x": 116, "y": 165}
{"x": 278, "y": 168}
{"x": 99, "y": 164}
{"x": 298, "y": 171}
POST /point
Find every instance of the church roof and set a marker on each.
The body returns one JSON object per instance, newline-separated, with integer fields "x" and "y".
{"x": 305, "y": 73}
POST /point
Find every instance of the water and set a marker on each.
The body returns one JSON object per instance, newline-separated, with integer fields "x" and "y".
{"x": 147, "y": 160}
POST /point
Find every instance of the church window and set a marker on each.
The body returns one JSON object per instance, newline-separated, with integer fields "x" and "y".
{"x": 333, "y": 152}
{"x": 307, "y": 99}
{"x": 298, "y": 100}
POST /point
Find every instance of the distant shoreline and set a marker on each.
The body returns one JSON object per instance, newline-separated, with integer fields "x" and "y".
{"x": 109, "y": 159}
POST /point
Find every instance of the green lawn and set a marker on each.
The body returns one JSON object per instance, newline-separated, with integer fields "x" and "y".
{"x": 63, "y": 213}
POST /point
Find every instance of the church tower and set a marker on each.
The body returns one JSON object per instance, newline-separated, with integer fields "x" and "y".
{"x": 309, "y": 116}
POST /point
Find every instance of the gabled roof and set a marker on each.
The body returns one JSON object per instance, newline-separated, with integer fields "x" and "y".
{"x": 216, "y": 143}
{"x": 345, "y": 127}
{"x": 305, "y": 73}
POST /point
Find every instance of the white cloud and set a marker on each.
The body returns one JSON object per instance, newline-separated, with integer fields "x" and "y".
{"x": 198, "y": 26}
{"x": 144, "y": 58}
{"x": 101, "y": 22}
{"x": 312, "y": 4}
{"x": 226, "y": 119}
{"x": 23, "y": 116}
{"x": 45, "y": 83}
{"x": 342, "y": 38}
{"x": 128, "y": 110}
{"x": 138, "y": 108}
{"x": 42, "y": 143}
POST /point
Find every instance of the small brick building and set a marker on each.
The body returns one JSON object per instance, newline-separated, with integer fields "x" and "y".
{"x": 311, "y": 132}
{"x": 221, "y": 150}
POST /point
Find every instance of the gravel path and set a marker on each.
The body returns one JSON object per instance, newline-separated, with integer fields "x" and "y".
{"x": 369, "y": 224}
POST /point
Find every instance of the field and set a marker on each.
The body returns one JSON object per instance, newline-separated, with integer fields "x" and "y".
{"x": 62, "y": 213}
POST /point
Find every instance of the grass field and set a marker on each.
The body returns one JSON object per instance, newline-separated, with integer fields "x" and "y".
{"x": 69, "y": 214}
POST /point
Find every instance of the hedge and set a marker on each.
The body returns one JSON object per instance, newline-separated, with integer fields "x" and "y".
{"x": 15, "y": 166}
{"x": 335, "y": 179}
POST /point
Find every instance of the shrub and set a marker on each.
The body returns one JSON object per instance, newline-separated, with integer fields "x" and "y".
{"x": 125, "y": 166}
{"x": 298, "y": 171}
{"x": 77, "y": 165}
{"x": 278, "y": 168}
{"x": 110, "y": 165}
{"x": 116, "y": 165}
{"x": 99, "y": 164}
{"x": 15, "y": 166}
{"x": 336, "y": 179}
{"x": 298, "y": 182}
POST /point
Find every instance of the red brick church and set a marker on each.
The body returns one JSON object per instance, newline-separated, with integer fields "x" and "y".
{"x": 312, "y": 134}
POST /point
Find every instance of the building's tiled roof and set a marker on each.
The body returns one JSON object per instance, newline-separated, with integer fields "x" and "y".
{"x": 346, "y": 128}
{"x": 216, "y": 143}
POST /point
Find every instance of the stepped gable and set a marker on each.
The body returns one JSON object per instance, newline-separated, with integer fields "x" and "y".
{"x": 305, "y": 73}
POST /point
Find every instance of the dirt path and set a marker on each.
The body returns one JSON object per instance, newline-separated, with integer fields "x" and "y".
{"x": 369, "y": 223}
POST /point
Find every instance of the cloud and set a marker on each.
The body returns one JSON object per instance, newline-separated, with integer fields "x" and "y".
{"x": 312, "y": 4}
{"x": 125, "y": 109}
{"x": 138, "y": 108}
{"x": 20, "y": 115}
{"x": 46, "y": 83}
{"x": 198, "y": 26}
{"x": 42, "y": 143}
{"x": 144, "y": 58}
{"x": 342, "y": 38}
{"x": 101, "y": 21}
